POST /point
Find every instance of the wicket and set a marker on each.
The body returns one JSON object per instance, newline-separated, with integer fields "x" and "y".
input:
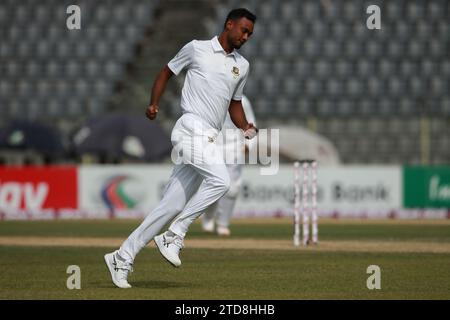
{"x": 303, "y": 213}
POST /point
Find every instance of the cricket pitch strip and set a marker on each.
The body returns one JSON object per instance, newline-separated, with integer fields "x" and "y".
{"x": 244, "y": 244}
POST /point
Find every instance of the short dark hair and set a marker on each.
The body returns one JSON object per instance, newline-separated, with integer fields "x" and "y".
{"x": 236, "y": 14}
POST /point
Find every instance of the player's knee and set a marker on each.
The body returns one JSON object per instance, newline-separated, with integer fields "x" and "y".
{"x": 175, "y": 207}
{"x": 223, "y": 184}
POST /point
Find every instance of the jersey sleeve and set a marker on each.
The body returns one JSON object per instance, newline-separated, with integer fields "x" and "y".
{"x": 182, "y": 59}
{"x": 240, "y": 87}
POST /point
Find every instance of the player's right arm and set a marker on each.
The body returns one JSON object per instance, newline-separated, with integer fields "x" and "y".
{"x": 182, "y": 60}
{"x": 157, "y": 91}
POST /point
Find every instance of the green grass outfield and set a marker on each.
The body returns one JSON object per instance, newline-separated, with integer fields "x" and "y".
{"x": 257, "y": 262}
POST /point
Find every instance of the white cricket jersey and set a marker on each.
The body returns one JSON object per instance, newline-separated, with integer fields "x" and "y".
{"x": 213, "y": 78}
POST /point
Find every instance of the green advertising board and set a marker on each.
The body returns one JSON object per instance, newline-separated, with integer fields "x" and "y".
{"x": 426, "y": 187}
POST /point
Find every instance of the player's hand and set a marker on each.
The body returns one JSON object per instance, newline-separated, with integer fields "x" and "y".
{"x": 250, "y": 131}
{"x": 152, "y": 111}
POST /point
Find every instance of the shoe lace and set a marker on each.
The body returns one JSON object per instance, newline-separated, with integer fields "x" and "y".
{"x": 125, "y": 267}
{"x": 178, "y": 241}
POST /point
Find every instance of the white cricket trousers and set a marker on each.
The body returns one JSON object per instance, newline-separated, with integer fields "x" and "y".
{"x": 222, "y": 210}
{"x": 197, "y": 181}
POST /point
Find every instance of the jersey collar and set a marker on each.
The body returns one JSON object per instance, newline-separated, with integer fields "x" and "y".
{"x": 217, "y": 47}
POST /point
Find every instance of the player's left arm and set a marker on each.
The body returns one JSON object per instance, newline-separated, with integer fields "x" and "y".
{"x": 236, "y": 110}
{"x": 237, "y": 115}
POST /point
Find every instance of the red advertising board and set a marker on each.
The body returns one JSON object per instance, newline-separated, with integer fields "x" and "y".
{"x": 38, "y": 188}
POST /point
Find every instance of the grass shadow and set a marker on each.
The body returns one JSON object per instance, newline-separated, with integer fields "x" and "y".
{"x": 156, "y": 284}
{"x": 151, "y": 284}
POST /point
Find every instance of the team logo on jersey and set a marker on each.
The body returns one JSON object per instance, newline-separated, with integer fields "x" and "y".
{"x": 235, "y": 72}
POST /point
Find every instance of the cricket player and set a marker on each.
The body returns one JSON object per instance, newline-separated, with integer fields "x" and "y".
{"x": 215, "y": 79}
{"x": 217, "y": 217}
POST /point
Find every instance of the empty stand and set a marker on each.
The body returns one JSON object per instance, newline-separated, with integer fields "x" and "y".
{"x": 317, "y": 58}
{"x": 368, "y": 90}
{"x": 55, "y": 74}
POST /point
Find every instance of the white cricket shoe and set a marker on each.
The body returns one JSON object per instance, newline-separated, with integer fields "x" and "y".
{"x": 170, "y": 247}
{"x": 208, "y": 225}
{"x": 223, "y": 231}
{"x": 119, "y": 270}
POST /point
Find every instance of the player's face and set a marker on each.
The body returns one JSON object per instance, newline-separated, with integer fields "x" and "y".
{"x": 239, "y": 32}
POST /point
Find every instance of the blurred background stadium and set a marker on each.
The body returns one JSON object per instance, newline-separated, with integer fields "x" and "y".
{"x": 379, "y": 97}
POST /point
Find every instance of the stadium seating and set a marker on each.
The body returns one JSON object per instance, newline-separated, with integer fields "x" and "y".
{"x": 317, "y": 59}
{"x": 52, "y": 73}
{"x": 369, "y": 91}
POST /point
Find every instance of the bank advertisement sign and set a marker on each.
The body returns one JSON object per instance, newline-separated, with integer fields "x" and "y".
{"x": 132, "y": 191}
{"x": 348, "y": 190}
{"x": 136, "y": 190}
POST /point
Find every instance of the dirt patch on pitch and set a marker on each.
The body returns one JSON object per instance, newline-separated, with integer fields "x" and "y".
{"x": 248, "y": 244}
